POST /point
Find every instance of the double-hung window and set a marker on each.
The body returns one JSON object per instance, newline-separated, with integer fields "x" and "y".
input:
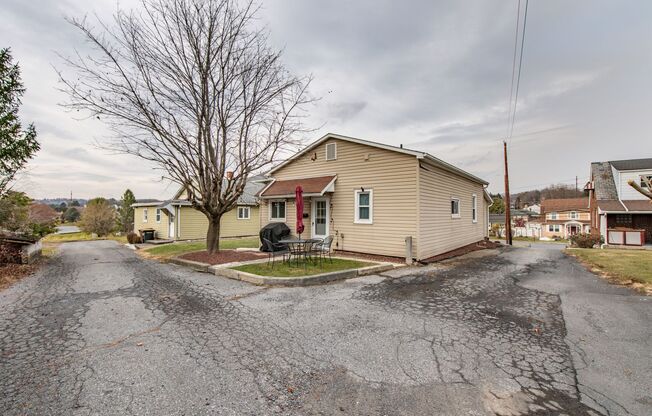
{"x": 158, "y": 215}
{"x": 144, "y": 214}
{"x": 474, "y": 208}
{"x": 277, "y": 210}
{"x": 573, "y": 215}
{"x": 553, "y": 215}
{"x": 244, "y": 213}
{"x": 455, "y": 208}
{"x": 364, "y": 209}
{"x": 553, "y": 228}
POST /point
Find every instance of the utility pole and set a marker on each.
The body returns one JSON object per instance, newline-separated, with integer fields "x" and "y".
{"x": 508, "y": 208}
{"x": 576, "y": 183}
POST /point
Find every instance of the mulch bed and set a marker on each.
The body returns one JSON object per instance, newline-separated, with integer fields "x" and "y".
{"x": 482, "y": 245}
{"x": 223, "y": 256}
{"x": 11, "y": 273}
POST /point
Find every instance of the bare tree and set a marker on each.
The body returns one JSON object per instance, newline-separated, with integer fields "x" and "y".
{"x": 192, "y": 86}
{"x": 648, "y": 183}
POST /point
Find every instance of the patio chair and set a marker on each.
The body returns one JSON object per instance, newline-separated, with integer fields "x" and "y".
{"x": 275, "y": 249}
{"x": 324, "y": 247}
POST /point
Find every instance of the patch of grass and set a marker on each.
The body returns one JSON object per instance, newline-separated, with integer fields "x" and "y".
{"x": 622, "y": 265}
{"x": 177, "y": 249}
{"x": 80, "y": 236}
{"x": 283, "y": 269}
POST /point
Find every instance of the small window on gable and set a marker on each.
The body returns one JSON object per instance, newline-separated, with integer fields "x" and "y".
{"x": 331, "y": 151}
{"x": 243, "y": 213}
{"x": 158, "y": 215}
{"x": 455, "y": 208}
{"x": 144, "y": 214}
{"x": 474, "y": 208}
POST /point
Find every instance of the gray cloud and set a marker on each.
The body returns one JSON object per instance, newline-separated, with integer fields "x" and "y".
{"x": 434, "y": 76}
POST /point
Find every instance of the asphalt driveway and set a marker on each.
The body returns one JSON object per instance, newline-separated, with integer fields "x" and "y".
{"x": 523, "y": 331}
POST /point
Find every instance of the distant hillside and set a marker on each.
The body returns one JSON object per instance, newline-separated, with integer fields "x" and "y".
{"x": 58, "y": 201}
{"x": 551, "y": 192}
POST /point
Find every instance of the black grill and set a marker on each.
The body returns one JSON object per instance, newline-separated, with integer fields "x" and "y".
{"x": 273, "y": 232}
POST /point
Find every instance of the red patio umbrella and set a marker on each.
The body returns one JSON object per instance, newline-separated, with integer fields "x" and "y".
{"x": 298, "y": 195}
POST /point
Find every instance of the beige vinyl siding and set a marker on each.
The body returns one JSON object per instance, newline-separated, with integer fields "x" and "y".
{"x": 566, "y": 216}
{"x": 160, "y": 227}
{"x": 439, "y": 231}
{"x": 391, "y": 176}
{"x": 194, "y": 224}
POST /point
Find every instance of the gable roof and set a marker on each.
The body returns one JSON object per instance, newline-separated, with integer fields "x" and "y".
{"x": 419, "y": 155}
{"x": 249, "y": 194}
{"x": 571, "y": 204}
{"x": 603, "y": 181}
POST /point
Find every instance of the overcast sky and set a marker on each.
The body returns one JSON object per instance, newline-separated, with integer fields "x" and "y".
{"x": 432, "y": 75}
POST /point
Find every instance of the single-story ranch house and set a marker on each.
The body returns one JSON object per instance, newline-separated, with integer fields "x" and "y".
{"x": 176, "y": 219}
{"x": 370, "y": 197}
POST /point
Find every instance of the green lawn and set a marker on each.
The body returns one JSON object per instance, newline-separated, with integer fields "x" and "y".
{"x": 620, "y": 264}
{"x": 177, "y": 249}
{"x": 80, "y": 236}
{"x": 283, "y": 269}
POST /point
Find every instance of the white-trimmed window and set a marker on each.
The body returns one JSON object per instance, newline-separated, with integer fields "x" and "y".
{"x": 144, "y": 214}
{"x": 552, "y": 216}
{"x": 574, "y": 215}
{"x": 553, "y": 228}
{"x": 331, "y": 151}
{"x": 474, "y": 208}
{"x": 455, "y": 208}
{"x": 158, "y": 215}
{"x": 364, "y": 206}
{"x": 244, "y": 213}
{"x": 277, "y": 210}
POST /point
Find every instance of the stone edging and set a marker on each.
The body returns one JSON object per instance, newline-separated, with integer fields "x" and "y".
{"x": 225, "y": 270}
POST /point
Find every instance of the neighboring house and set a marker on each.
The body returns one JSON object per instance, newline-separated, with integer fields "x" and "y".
{"x": 370, "y": 197}
{"x": 524, "y": 224}
{"x": 565, "y": 217}
{"x": 534, "y": 208}
{"x": 43, "y": 214}
{"x": 615, "y": 204}
{"x": 176, "y": 219}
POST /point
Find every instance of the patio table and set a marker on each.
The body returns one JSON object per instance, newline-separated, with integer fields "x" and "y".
{"x": 299, "y": 247}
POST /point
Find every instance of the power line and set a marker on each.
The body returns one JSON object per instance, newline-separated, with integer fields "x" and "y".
{"x": 511, "y": 87}
{"x": 520, "y": 65}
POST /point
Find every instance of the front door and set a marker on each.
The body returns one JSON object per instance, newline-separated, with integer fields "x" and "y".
{"x": 320, "y": 217}
{"x": 171, "y": 226}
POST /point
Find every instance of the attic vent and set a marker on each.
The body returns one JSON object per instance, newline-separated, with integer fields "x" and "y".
{"x": 331, "y": 151}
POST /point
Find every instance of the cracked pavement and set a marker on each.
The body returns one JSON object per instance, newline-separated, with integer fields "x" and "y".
{"x": 520, "y": 331}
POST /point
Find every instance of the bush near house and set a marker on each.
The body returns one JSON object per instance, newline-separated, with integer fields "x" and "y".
{"x": 586, "y": 240}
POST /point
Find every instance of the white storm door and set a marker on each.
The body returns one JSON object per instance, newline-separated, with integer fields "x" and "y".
{"x": 320, "y": 217}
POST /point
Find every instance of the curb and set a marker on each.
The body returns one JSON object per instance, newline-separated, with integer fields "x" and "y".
{"x": 225, "y": 270}
{"x": 195, "y": 265}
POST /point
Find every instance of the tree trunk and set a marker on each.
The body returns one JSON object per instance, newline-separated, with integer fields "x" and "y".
{"x": 213, "y": 235}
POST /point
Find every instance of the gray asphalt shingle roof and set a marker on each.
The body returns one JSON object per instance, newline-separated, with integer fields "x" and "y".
{"x": 603, "y": 181}
{"x": 632, "y": 164}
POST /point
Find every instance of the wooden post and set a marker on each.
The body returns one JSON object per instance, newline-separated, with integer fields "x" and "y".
{"x": 508, "y": 209}
{"x": 408, "y": 250}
